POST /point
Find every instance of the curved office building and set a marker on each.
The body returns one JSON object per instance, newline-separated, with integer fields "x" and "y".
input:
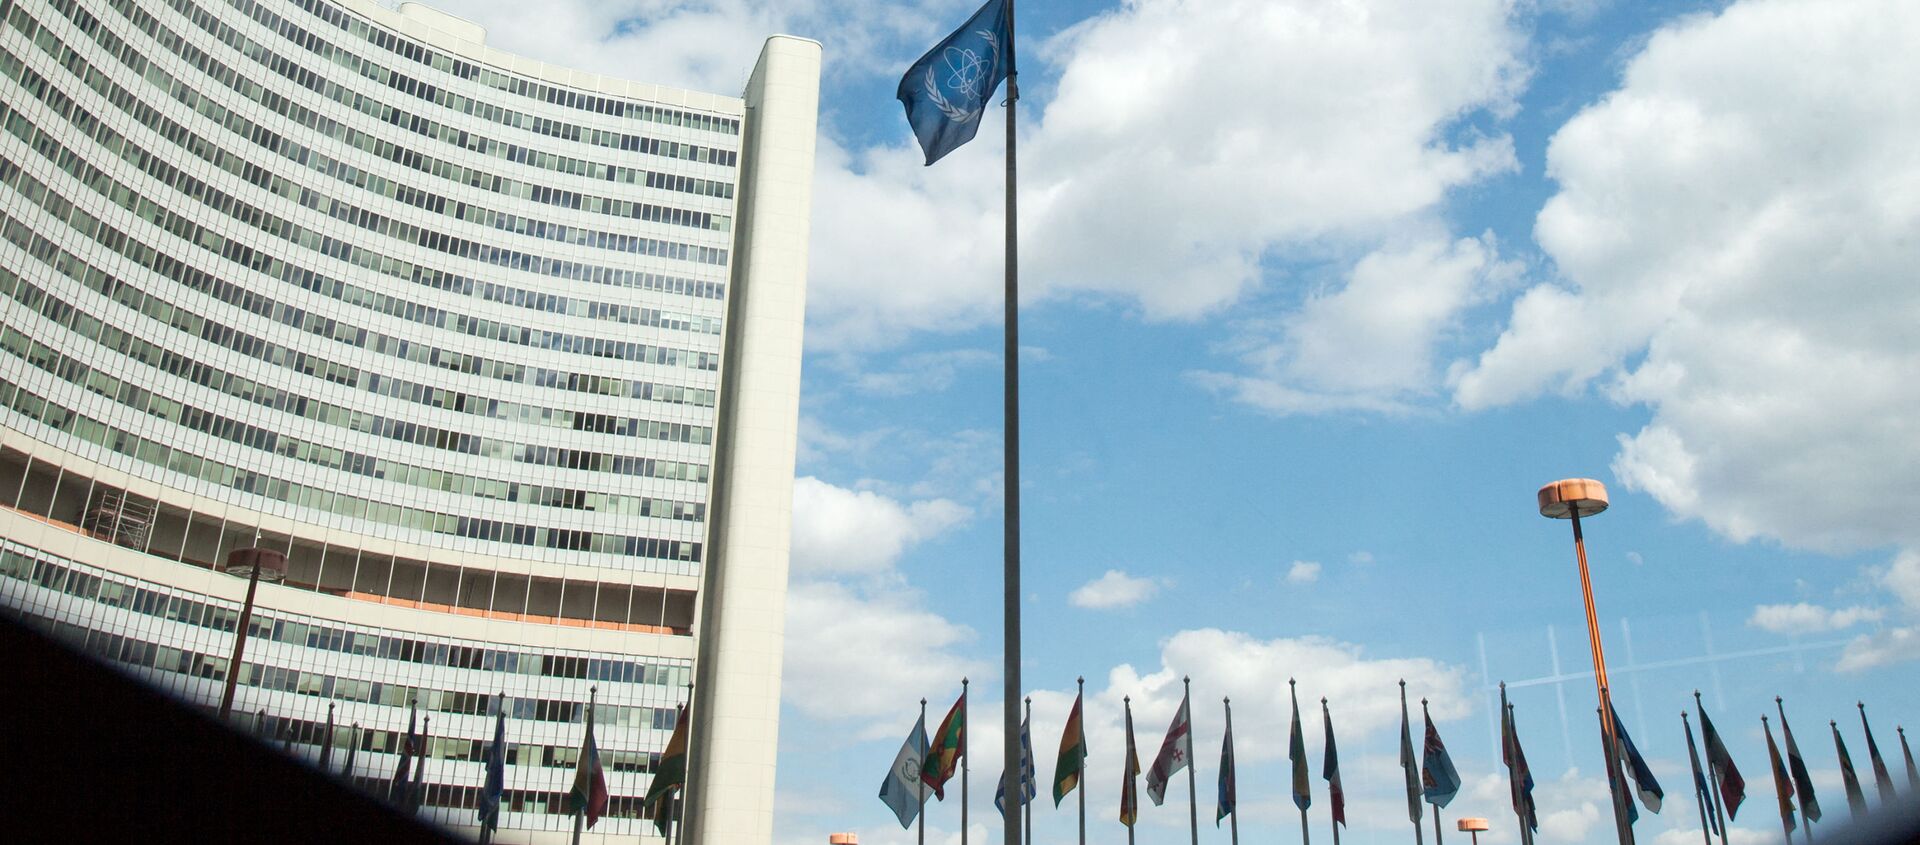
{"x": 504, "y": 358}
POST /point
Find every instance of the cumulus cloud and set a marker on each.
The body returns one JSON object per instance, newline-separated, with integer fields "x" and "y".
{"x": 1734, "y": 234}
{"x": 1303, "y": 572}
{"x": 836, "y": 530}
{"x": 1149, "y": 180}
{"x": 833, "y": 670}
{"x": 1368, "y": 345}
{"x": 1112, "y": 590}
{"x": 1896, "y": 644}
{"x": 1804, "y": 618}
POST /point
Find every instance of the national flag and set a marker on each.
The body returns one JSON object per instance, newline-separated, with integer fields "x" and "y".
{"x": 947, "y": 90}
{"x": 1701, "y": 792}
{"x": 1644, "y": 783}
{"x": 397, "y": 787}
{"x": 1519, "y": 774}
{"x": 326, "y": 741}
{"x": 1408, "y": 763}
{"x": 1176, "y": 752}
{"x": 1913, "y": 775}
{"x": 1782, "y": 780}
{"x": 1856, "y": 800}
{"x": 1297, "y": 754}
{"x": 589, "y": 792}
{"x": 1330, "y": 770}
{"x": 1802, "y": 782}
{"x": 418, "y": 791}
{"x": 1229, "y": 793}
{"x": 1072, "y": 761}
{"x": 949, "y": 743}
{"x": 902, "y": 791}
{"x": 670, "y": 774}
{"x": 1881, "y": 778}
{"x": 1439, "y": 780}
{"x": 1027, "y": 788}
{"x": 496, "y": 768}
{"x": 1733, "y": 787}
{"x": 1129, "y": 799}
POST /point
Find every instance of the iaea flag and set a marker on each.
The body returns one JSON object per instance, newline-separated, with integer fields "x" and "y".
{"x": 947, "y": 90}
{"x": 901, "y": 790}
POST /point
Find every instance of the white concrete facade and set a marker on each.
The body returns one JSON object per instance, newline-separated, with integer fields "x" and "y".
{"x": 505, "y": 356}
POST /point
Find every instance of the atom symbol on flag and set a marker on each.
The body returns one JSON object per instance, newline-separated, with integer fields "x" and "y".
{"x": 968, "y": 75}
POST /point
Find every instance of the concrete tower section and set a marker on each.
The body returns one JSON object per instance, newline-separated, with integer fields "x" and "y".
{"x": 737, "y": 723}
{"x": 503, "y": 356}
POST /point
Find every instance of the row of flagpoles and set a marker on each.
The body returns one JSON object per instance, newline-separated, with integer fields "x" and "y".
{"x": 924, "y": 766}
{"x": 587, "y": 799}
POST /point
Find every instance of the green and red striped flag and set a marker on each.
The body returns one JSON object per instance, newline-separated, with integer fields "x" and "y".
{"x": 949, "y": 744}
{"x": 1297, "y": 753}
{"x": 1073, "y": 755}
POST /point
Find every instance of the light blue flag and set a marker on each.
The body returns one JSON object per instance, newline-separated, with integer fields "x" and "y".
{"x": 1643, "y": 783}
{"x": 1027, "y": 789}
{"x": 1440, "y": 781}
{"x": 947, "y": 90}
{"x": 496, "y": 770}
{"x": 901, "y": 790}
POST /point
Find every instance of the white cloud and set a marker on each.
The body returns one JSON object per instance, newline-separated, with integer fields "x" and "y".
{"x": 1690, "y": 835}
{"x": 1734, "y": 228}
{"x": 1303, "y": 572}
{"x": 1114, "y": 589}
{"x": 836, "y": 530}
{"x": 922, "y": 372}
{"x": 1150, "y": 180}
{"x": 1360, "y": 558}
{"x": 1804, "y": 618}
{"x": 834, "y": 671}
{"x": 1368, "y": 345}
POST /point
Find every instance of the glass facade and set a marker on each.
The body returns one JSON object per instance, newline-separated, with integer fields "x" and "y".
{"x": 448, "y": 334}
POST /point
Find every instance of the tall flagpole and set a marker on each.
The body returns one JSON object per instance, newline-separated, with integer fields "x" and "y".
{"x": 1328, "y": 716}
{"x": 1294, "y": 695}
{"x": 1011, "y": 436}
{"x": 1713, "y": 775}
{"x": 1080, "y": 685}
{"x": 1436, "y": 807}
{"x": 1413, "y": 801}
{"x": 1233, "y": 817}
{"x": 1128, "y": 767}
{"x": 1193, "y": 802}
{"x": 1706, "y": 829}
{"x": 965, "y": 747}
{"x": 1026, "y": 810}
{"x": 920, "y": 787}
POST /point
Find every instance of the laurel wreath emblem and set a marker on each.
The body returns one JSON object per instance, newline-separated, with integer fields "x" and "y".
{"x": 970, "y": 61}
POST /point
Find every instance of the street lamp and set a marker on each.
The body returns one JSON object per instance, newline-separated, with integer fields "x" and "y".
{"x": 1473, "y": 826}
{"x": 255, "y": 563}
{"x": 1573, "y": 498}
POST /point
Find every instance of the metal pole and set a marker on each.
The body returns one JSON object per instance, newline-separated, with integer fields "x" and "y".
{"x": 1294, "y": 696}
{"x": 1011, "y": 473}
{"x": 1622, "y": 827}
{"x": 1405, "y": 738}
{"x": 1706, "y": 829}
{"x": 1128, "y": 766}
{"x": 1080, "y": 782}
{"x": 1026, "y": 810}
{"x": 1713, "y": 775}
{"x": 920, "y": 787}
{"x": 1436, "y": 822}
{"x": 1233, "y": 818}
{"x": 964, "y": 749}
{"x": 239, "y": 643}
{"x": 1193, "y": 801}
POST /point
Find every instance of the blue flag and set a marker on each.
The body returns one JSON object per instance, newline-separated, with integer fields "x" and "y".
{"x": 901, "y": 791}
{"x": 947, "y": 90}
{"x": 1643, "y": 783}
{"x": 1229, "y": 789}
{"x": 1027, "y": 788}
{"x": 496, "y": 770}
{"x": 1440, "y": 781}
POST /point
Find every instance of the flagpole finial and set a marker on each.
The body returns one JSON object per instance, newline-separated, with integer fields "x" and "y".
{"x": 1080, "y": 680}
{"x": 1763, "y": 718}
{"x": 1833, "y": 723}
{"x": 1226, "y": 700}
{"x": 1503, "y": 686}
{"x": 923, "y": 702}
{"x": 1776, "y": 699}
{"x": 1289, "y": 682}
{"x": 1403, "y": 683}
{"x": 1127, "y": 698}
{"x": 1323, "y": 699}
{"x": 1029, "y": 699}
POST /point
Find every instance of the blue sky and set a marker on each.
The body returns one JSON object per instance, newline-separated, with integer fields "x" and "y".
{"x": 1317, "y": 295}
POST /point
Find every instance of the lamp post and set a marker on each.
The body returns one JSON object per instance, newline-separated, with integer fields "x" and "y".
{"x": 256, "y": 563}
{"x": 1573, "y": 498}
{"x": 1473, "y": 826}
